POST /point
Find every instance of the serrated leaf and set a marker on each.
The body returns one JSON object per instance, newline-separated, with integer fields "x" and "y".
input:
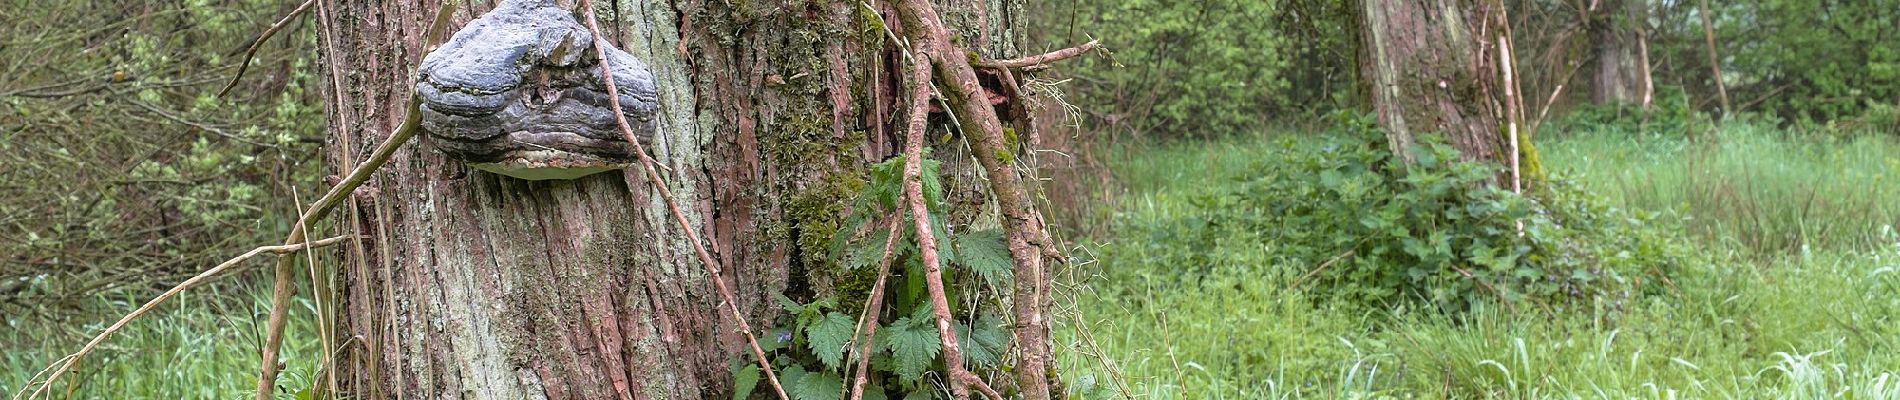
{"x": 791, "y": 375}
{"x": 775, "y": 339}
{"x": 985, "y": 253}
{"x": 786, "y": 303}
{"x": 913, "y": 346}
{"x": 919, "y": 394}
{"x": 828, "y": 337}
{"x": 817, "y": 386}
{"x": 744, "y": 381}
{"x": 913, "y": 280}
{"x": 983, "y": 346}
{"x": 873, "y": 391}
{"x": 946, "y": 247}
{"x": 867, "y": 251}
{"x": 932, "y": 186}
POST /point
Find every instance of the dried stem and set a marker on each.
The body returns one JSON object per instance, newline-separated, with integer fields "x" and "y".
{"x": 653, "y": 176}
{"x": 261, "y": 38}
{"x": 1043, "y": 58}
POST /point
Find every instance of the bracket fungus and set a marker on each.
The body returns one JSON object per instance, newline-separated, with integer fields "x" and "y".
{"x": 518, "y": 92}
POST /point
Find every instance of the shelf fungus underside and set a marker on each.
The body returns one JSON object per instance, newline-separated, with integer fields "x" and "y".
{"x": 518, "y": 92}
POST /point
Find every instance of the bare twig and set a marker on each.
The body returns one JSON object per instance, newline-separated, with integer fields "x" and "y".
{"x": 1322, "y": 267}
{"x": 252, "y": 51}
{"x": 1022, "y": 226}
{"x": 1715, "y": 62}
{"x": 281, "y": 288}
{"x": 653, "y": 175}
{"x": 1041, "y": 59}
{"x": 1513, "y": 110}
{"x": 873, "y": 306}
{"x": 66, "y": 363}
{"x": 927, "y": 242}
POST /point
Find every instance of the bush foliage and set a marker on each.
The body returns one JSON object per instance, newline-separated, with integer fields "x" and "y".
{"x": 1202, "y": 68}
{"x": 1342, "y": 216}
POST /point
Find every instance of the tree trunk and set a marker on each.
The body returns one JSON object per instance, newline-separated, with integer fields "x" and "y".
{"x": 1432, "y": 67}
{"x": 1617, "y": 70}
{"x": 475, "y": 285}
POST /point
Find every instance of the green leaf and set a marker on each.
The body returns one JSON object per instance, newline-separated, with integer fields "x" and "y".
{"x": 786, "y": 303}
{"x": 868, "y": 251}
{"x": 817, "y": 386}
{"x": 932, "y": 186}
{"x": 873, "y": 391}
{"x": 922, "y": 393}
{"x": 913, "y": 345}
{"x": 983, "y": 347}
{"x": 745, "y": 379}
{"x": 828, "y": 337}
{"x": 985, "y": 253}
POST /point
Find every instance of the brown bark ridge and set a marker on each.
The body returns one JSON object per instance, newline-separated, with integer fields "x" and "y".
{"x": 487, "y": 287}
{"x": 1427, "y": 66}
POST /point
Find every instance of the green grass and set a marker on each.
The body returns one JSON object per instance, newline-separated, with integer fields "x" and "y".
{"x": 1763, "y": 317}
{"x": 1754, "y": 189}
{"x": 202, "y": 344}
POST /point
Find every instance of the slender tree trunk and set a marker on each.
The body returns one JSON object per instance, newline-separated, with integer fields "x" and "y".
{"x": 482, "y": 286}
{"x": 1432, "y": 68}
{"x": 1617, "y": 69}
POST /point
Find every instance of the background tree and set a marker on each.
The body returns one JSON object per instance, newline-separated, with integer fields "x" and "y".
{"x": 1433, "y": 68}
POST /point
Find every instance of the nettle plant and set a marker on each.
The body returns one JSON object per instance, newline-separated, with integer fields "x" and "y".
{"x": 1343, "y": 217}
{"x": 817, "y": 343}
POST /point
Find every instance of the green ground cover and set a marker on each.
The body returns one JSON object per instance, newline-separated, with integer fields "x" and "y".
{"x": 1794, "y": 293}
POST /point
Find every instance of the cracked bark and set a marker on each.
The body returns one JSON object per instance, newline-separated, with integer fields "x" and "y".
{"x": 490, "y": 287}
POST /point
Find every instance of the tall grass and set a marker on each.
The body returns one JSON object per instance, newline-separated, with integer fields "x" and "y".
{"x": 1817, "y": 316}
{"x": 202, "y": 344}
{"x": 1753, "y": 187}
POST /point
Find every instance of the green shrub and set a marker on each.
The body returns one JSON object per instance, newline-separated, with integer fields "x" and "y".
{"x": 1188, "y": 68}
{"x": 1341, "y": 216}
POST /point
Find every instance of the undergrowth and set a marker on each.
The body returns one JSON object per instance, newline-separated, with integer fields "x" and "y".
{"x": 1344, "y": 217}
{"x": 1172, "y": 312}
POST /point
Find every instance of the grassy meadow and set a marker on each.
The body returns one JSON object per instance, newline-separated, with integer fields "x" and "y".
{"x": 1794, "y": 291}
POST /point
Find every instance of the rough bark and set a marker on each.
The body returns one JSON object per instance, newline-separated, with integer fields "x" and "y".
{"x": 1616, "y": 70}
{"x": 1430, "y": 70}
{"x": 482, "y": 286}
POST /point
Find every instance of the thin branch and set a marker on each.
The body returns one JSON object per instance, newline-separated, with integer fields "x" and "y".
{"x": 1022, "y": 225}
{"x": 251, "y": 52}
{"x": 873, "y": 307}
{"x": 66, "y": 363}
{"x": 1715, "y": 62}
{"x": 653, "y": 175}
{"x": 1041, "y": 59}
{"x": 927, "y": 242}
{"x": 281, "y": 288}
